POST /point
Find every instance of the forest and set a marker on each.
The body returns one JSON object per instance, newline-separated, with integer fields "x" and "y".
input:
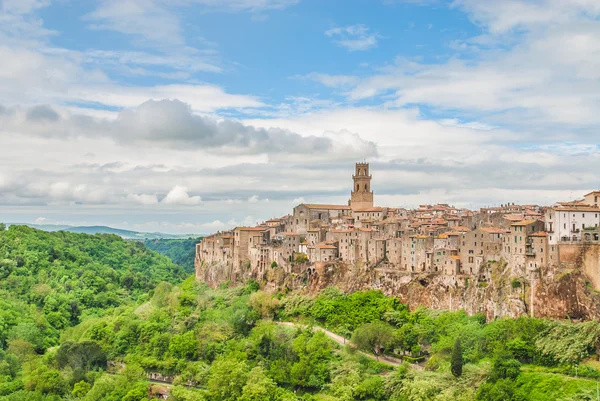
{"x": 95, "y": 317}
{"x": 180, "y": 251}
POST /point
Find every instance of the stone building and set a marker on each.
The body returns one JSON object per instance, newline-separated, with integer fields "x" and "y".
{"x": 361, "y": 196}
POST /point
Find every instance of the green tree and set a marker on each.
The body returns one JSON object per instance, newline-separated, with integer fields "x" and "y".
{"x": 80, "y": 389}
{"x": 85, "y": 355}
{"x": 505, "y": 367}
{"x": 373, "y": 337}
{"x": 456, "y": 359}
{"x": 259, "y": 387}
{"x": 228, "y": 376}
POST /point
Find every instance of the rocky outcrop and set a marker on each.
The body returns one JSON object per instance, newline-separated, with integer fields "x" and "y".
{"x": 562, "y": 292}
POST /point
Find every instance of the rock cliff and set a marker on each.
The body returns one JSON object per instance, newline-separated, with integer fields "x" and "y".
{"x": 562, "y": 292}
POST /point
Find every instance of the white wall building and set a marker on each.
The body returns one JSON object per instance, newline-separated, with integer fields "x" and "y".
{"x": 565, "y": 222}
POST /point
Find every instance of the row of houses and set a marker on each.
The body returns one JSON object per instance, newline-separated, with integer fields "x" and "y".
{"x": 438, "y": 239}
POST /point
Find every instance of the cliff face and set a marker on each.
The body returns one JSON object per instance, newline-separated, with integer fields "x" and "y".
{"x": 562, "y": 292}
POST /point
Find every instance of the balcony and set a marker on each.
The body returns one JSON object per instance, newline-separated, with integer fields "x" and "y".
{"x": 530, "y": 252}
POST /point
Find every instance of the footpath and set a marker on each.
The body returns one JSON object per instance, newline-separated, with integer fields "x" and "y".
{"x": 343, "y": 341}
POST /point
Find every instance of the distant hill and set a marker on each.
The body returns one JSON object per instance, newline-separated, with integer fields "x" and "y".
{"x": 180, "y": 251}
{"x": 126, "y": 234}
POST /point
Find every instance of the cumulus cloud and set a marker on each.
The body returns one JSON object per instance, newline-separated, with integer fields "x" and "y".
{"x": 143, "y": 199}
{"x": 172, "y": 124}
{"x": 42, "y": 113}
{"x": 353, "y": 37}
{"x": 179, "y": 196}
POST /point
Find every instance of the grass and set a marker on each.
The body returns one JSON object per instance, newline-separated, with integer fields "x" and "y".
{"x": 543, "y": 386}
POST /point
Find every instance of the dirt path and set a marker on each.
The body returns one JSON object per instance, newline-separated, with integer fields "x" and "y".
{"x": 342, "y": 341}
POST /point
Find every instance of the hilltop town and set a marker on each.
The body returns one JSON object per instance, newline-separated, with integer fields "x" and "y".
{"x": 433, "y": 240}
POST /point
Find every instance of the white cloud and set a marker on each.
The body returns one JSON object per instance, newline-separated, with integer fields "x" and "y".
{"x": 353, "y": 37}
{"x": 179, "y": 196}
{"x": 149, "y": 20}
{"x": 40, "y": 220}
{"x": 334, "y": 81}
{"x": 253, "y": 199}
{"x": 143, "y": 199}
{"x": 500, "y": 17}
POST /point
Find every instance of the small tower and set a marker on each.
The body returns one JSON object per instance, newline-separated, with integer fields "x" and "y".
{"x": 361, "y": 196}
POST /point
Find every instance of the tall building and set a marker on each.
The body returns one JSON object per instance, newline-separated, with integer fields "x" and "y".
{"x": 361, "y": 196}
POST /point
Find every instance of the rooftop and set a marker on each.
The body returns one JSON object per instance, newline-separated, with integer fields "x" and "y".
{"x": 524, "y": 222}
{"x": 324, "y": 206}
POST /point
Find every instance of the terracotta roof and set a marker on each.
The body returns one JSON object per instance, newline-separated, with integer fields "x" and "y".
{"x": 287, "y": 233}
{"x": 325, "y": 246}
{"x": 539, "y": 234}
{"x": 494, "y": 230}
{"x": 524, "y": 223}
{"x": 592, "y": 193}
{"x": 258, "y": 228}
{"x": 577, "y": 208}
{"x": 325, "y": 207}
{"x": 456, "y": 257}
{"x": 513, "y": 217}
{"x": 461, "y": 229}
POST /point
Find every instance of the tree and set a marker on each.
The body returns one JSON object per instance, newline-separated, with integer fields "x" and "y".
{"x": 228, "y": 376}
{"x": 264, "y": 303}
{"x": 259, "y": 387}
{"x": 80, "y": 389}
{"x": 373, "y": 337}
{"x": 505, "y": 367}
{"x": 456, "y": 359}
{"x": 85, "y": 355}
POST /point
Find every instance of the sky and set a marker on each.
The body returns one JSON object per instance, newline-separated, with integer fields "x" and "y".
{"x": 192, "y": 116}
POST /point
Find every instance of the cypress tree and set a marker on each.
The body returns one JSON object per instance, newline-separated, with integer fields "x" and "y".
{"x": 456, "y": 360}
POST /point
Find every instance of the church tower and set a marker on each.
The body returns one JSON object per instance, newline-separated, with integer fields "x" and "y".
{"x": 361, "y": 196}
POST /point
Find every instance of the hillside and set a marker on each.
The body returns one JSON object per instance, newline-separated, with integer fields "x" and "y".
{"x": 126, "y": 234}
{"x": 54, "y": 280}
{"x": 93, "y": 317}
{"x": 180, "y": 251}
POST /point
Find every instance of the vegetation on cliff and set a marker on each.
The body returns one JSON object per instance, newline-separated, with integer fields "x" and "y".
{"x": 181, "y": 251}
{"x": 91, "y": 317}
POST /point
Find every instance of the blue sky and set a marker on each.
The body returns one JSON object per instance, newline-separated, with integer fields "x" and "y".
{"x": 196, "y": 115}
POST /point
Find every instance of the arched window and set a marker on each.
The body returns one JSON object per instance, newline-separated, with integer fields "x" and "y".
{"x": 365, "y": 187}
{"x": 358, "y": 187}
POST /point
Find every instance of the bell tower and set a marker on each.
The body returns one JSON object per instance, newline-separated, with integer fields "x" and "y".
{"x": 361, "y": 196}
